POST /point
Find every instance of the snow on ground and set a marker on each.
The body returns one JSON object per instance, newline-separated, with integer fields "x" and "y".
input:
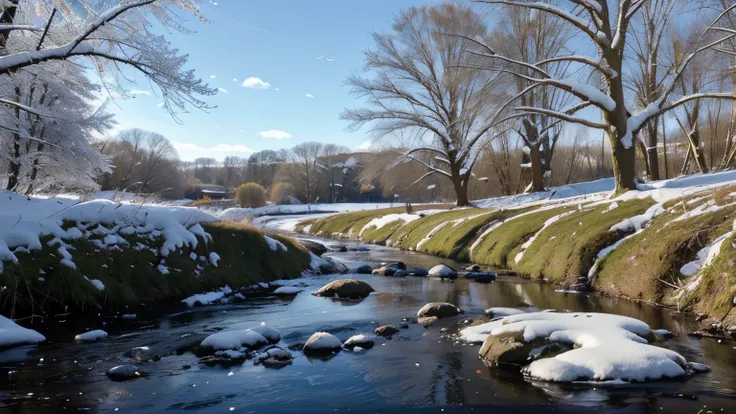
{"x": 608, "y": 347}
{"x": 95, "y": 335}
{"x": 288, "y": 290}
{"x": 380, "y": 222}
{"x": 477, "y": 334}
{"x": 242, "y": 214}
{"x": 12, "y": 334}
{"x": 24, "y": 221}
{"x": 208, "y": 298}
{"x": 501, "y": 312}
{"x": 704, "y": 258}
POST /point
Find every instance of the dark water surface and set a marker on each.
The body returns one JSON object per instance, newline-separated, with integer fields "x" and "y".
{"x": 419, "y": 370}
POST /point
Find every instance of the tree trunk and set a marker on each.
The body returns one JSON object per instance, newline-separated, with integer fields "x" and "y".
{"x": 624, "y": 166}
{"x": 651, "y": 155}
{"x": 535, "y": 157}
{"x": 460, "y": 184}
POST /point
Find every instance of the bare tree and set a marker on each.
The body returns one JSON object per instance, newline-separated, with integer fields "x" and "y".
{"x": 157, "y": 149}
{"x": 419, "y": 87}
{"x": 606, "y": 25}
{"x": 308, "y": 168}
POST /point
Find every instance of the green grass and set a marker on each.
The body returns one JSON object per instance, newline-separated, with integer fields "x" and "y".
{"x": 567, "y": 249}
{"x": 408, "y": 236}
{"x": 131, "y": 276}
{"x": 635, "y": 268}
{"x": 717, "y": 288}
{"x": 495, "y": 249}
{"x": 380, "y": 235}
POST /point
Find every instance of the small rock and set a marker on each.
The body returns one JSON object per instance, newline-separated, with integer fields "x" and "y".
{"x": 322, "y": 343}
{"x": 123, "y": 373}
{"x": 443, "y": 271}
{"x": 317, "y": 248}
{"x": 400, "y": 273}
{"x": 274, "y": 357}
{"x": 473, "y": 268}
{"x": 360, "y": 341}
{"x": 427, "y": 321}
{"x": 342, "y": 249}
{"x": 271, "y": 334}
{"x": 481, "y": 277}
{"x": 438, "y": 309}
{"x": 404, "y": 325}
{"x": 346, "y": 289}
{"x": 364, "y": 270}
{"x": 417, "y": 271}
{"x": 386, "y": 330}
{"x": 141, "y": 354}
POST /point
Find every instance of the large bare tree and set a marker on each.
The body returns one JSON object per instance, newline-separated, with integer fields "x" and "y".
{"x": 417, "y": 86}
{"x": 605, "y": 25}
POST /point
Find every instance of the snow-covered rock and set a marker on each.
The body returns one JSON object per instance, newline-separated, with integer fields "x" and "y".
{"x": 234, "y": 340}
{"x": 269, "y": 333}
{"x": 501, "y": 312}
{"x": 443, "y": 271}
{"x": 123, "y": 373}
{"x": 438, "y": 310}
{"x": 12, "y": 334}
{"x": 287, "y": 291}
{"x": 606, "y": 347}
{"x": 208, "y": 298}
{"x": 274, "y": 357}
{"x": 345, "y": 289}
{"x": 322, "y": 343}
{"x": 89, "y": 336}
{"x": 360, "y": 340}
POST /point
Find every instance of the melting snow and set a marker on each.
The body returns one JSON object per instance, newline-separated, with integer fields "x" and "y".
{"x": 12, "y": 334}
{"x": 208, "y": 298}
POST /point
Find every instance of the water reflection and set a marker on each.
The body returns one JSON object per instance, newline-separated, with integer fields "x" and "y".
{"x": 417, "y": 370}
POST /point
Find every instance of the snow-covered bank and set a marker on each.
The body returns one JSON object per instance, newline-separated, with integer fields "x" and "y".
{"x": 11, "y": 334}
{"x": 241, "y": 214}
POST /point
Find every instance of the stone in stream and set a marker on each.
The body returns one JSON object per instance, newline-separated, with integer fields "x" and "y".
{"x": 317, "y": 248}
{"x": 481, "y": 277}
{"x": 386, "y": 330}
{"x": 361, "y": 341}
{"x": 443, "y": 271}
{"x": 123, "y": 373}
{"x": 364, "y": 270}
{"x": 345, "y": 289}
{"x": 322, "y": 343}
{"x": 272, "y": 335}
{"x": 473, "y": 268}
{"x": 226, "y": 357}
{"x": 389, "y": 269}
{"x": 142, "y": 354}
{"x": 274, "y": 358}
{"x": 417, "y": 271}
{"x": 438, "y": 309}
{"x": 399, "y": 273}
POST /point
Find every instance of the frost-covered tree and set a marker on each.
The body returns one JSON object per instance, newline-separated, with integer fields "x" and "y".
{"x": 417, "y": 86}
{"x": 110, "y": 37}
{"x": 605, "y": 25}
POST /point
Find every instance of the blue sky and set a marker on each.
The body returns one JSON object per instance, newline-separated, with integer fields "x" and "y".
{"x": 277, "y": 42}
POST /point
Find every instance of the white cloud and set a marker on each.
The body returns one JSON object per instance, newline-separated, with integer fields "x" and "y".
{"x": 276, "y": 89}
{"x": 366, "y": 145}
{"x": 219, "y": 148}
{"x": 213, "y": 77}
{"x": 309, "y": 96}
{"x": 235, "y": 79}
{"x": 222, "y": 90}
{"x": 275, "y": 134}
{"x": 161, "y": 105}
{"x": 139, "y": 92}
{"x": 256, "y": 83}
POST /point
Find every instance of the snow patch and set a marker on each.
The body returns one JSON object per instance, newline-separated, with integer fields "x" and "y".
{"x": 12, "y": 334}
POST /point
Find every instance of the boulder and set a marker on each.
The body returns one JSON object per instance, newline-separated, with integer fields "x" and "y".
{"x": 361, "y": 341}
{"x": 511, "y": 349}
{"x": 386, "y": 330}
{"x": 438, "y": 309}
{"x": 317, "y": 248}
{"x": 272, "y": 335}
{"x": 345, "y": 289}
{"x": 417, "y": 271}
{"x": 443, "y": 271}
{"x": 274, "y": 357}
{"x": 389, "y": 269}
{"x": 123, "y": 373}
{"x": 481, "y": 277}
{"x": 322, "y": 343}
{"x": 233, "y": 340}
{"x": 364, "y": 270}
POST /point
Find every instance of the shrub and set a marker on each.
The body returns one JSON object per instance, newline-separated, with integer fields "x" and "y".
{"x": 281, "y": 192}
{"x": 251, "y": 195}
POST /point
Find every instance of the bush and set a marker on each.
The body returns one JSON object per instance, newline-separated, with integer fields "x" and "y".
{"x": 280, "y": 192}
{"x": 251, "y": 195}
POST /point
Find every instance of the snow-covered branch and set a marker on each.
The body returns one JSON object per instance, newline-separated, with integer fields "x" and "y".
{"x": 527, "y": 110}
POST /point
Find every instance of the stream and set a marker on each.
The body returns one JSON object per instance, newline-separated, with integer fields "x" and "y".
{"x": 418, "y": 370}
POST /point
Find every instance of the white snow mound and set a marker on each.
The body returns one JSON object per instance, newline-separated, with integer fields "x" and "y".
{"x": 95, "y": 335}
{"x": 12, "y": 334}
{"x": 234, "y": 340}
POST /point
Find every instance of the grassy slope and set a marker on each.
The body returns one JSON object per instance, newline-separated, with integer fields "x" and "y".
{"x": 131, "y": 276}
{"x": 567, "y": 249}
{"x": 408, "y": 236}
{"x": 495, "y": 249}
{"x": 717, "y": 288}
{"x": 659, "y": 252}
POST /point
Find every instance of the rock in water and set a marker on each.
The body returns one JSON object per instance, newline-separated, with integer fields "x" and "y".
{"x": 438, "y": 309}
{"x": 417, "y": 271}
{"x": 271, "y": 334}
{"x": 345, "y": 289}
{"x": 123, "y": 373}
{"x": 317, "y": 248}
{"x": 481, "y": 277}
{"x": 233, "y": 340}
{"x": 400, "y": 273}
{"x": 443, "y": 271}
{"x": 274, "y": 357}
{"x": 91, "y": 336}
{"x": 322, "y": 343}
{"x": 389, "y": 269}
{"x": 363, "y": 270}
{"x": 141, "y": 354}
{"x": 386, "y": 330}
{"x": 361, "y": 341}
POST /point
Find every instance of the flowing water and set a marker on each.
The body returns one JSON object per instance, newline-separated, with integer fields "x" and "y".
{"x": 422, "y": 370}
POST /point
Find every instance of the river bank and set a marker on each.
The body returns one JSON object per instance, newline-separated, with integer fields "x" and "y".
{"x": 666, "y": 246}
{"x": 419, "y": 369}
